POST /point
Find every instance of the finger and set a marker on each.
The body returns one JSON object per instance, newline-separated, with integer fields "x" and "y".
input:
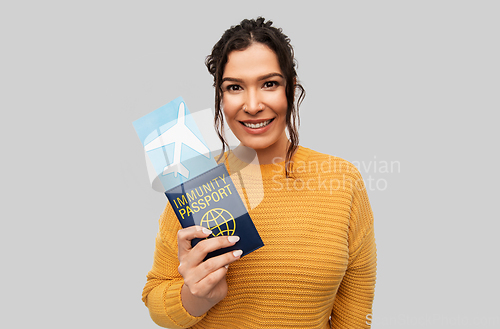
{"x": 205, "y": 286}
{"x": 201, "y": 250}
{"x": 214, "y": 264}
{"x": 185, "y": 235}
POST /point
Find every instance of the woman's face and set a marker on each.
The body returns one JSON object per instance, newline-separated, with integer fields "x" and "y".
{"x": 254, "y": 99}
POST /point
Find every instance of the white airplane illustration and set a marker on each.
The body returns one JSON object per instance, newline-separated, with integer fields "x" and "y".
{"x": 178, "y": 134}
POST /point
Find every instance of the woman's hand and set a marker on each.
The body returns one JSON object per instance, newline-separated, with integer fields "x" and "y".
{"x": 204, "y": 281}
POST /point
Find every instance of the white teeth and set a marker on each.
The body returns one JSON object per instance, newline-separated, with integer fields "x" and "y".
{"x": 257, "y": 125}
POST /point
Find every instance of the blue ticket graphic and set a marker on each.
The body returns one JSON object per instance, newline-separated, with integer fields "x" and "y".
{"x": 174, "y": 144}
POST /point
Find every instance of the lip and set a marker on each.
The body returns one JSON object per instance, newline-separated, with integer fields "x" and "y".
{"x": 256, "y": 131}
{"x": 256, "y": 120}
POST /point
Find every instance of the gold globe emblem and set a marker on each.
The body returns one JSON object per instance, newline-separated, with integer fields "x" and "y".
{"x": 219, "y": 221}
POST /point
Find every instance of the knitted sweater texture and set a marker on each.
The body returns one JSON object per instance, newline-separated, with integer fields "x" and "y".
{"x": 317, "y": 268}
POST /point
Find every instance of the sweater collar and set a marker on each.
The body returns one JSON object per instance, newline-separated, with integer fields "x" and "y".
{"x": 235, "y": 163}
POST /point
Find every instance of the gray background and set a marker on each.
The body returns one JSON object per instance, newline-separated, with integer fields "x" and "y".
{"x": 415, "y": 84}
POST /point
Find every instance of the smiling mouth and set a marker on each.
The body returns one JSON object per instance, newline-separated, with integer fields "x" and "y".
{"x": 257, "y": 125}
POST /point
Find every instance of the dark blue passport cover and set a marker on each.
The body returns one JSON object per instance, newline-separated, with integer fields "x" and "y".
{"x": 212, "y": 201}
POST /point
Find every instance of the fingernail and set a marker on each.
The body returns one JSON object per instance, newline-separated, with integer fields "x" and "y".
{"x": 206, "y": 231}
{"x": 227, "y": 266}
{"x": 237, "y": 253}
{"x": 233, "y": 238}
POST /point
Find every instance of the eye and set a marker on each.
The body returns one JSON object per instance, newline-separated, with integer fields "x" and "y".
{"x": 271, "y": 84}
{"x": 233, "y": 88}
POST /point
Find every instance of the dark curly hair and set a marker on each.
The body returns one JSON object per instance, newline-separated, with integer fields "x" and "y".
{"x": 240, "y": 37}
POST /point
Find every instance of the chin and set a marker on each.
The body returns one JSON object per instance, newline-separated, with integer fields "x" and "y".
{"x": 255, "y": 145}
{"x": 259, "y": 144}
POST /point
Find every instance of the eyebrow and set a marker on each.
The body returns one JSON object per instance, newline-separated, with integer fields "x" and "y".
{"x": 263, "y": 77}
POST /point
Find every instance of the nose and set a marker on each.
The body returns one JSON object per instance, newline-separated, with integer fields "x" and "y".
{"x": 253, "y": 103}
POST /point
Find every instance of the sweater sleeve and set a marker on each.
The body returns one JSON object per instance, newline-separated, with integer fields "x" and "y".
{"x": 353, "y": 303}
{"x": 162, "y": 292}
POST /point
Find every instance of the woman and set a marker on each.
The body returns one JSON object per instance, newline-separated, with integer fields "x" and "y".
{"x": 317, "y": 268}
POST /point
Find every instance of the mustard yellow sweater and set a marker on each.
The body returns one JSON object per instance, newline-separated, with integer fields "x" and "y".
{"x": 317, "y": 268}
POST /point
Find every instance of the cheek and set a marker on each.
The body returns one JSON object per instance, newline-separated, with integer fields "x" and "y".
{"x": 227, "y": 109}
{"x": 230, "y": 105}
{"x": 279, "y": 103}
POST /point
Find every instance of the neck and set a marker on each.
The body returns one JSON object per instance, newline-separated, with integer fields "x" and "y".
{"x": 277, "y": 150}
